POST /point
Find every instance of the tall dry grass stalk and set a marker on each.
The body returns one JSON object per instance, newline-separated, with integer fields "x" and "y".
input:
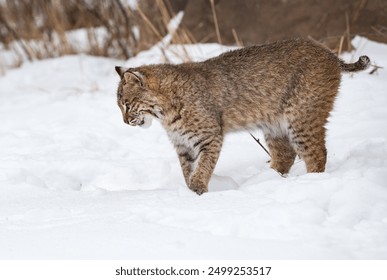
{"x": 215, "y": 21}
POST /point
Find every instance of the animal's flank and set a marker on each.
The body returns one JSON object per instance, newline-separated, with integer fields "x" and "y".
{"x": 285, "y": 88}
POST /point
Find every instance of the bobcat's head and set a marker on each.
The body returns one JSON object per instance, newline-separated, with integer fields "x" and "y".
{"x": 136, "y": 100}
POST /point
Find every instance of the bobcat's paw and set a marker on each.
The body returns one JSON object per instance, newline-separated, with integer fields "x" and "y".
{"x": 198, "y": 188}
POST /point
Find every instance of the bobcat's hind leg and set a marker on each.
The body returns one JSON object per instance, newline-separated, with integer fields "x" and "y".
{"x": 310, "y": 146}
{"x": 282, "y": 153}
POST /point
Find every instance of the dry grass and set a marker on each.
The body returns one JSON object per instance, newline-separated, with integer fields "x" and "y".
{"x": 215, "y": 21}
{"x": 37, "y": 29}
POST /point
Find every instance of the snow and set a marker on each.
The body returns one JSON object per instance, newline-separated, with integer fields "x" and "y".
{"x": 78, "y": 40}
{"x": 78, "y": 183}
{"x": 131, "y": 4}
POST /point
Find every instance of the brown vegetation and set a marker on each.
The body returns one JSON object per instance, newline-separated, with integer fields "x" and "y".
{"x": 36, "y": 29}
{"x": 27, "y": 22}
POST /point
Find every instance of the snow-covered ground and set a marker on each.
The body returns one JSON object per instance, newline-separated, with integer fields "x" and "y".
{"x": 76, "y": 182}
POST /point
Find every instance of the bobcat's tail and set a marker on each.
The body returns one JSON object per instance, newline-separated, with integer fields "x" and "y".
{"x": 359, "y": 65}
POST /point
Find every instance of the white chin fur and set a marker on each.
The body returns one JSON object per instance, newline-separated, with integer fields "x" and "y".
{"x": 147, "y": 122}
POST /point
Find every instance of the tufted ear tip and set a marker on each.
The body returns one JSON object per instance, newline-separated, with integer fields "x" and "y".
{"x": 121, "y": 70}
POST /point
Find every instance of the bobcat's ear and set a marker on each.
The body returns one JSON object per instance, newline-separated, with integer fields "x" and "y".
{"x": 121, "y": 70}
{"x": 135, "y": 76}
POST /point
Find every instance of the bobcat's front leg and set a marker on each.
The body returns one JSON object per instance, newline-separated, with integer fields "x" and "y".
{"x": 207, "y": 154}
{"x": 186, "y": 160}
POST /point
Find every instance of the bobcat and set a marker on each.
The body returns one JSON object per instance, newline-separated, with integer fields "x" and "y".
{"x": 286, "y": 88}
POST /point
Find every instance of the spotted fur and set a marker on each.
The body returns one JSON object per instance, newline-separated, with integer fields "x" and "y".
{"x": 285, "y": 88}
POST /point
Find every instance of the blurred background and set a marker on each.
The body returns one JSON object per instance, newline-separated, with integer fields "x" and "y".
{"x": 36, "y": 29}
